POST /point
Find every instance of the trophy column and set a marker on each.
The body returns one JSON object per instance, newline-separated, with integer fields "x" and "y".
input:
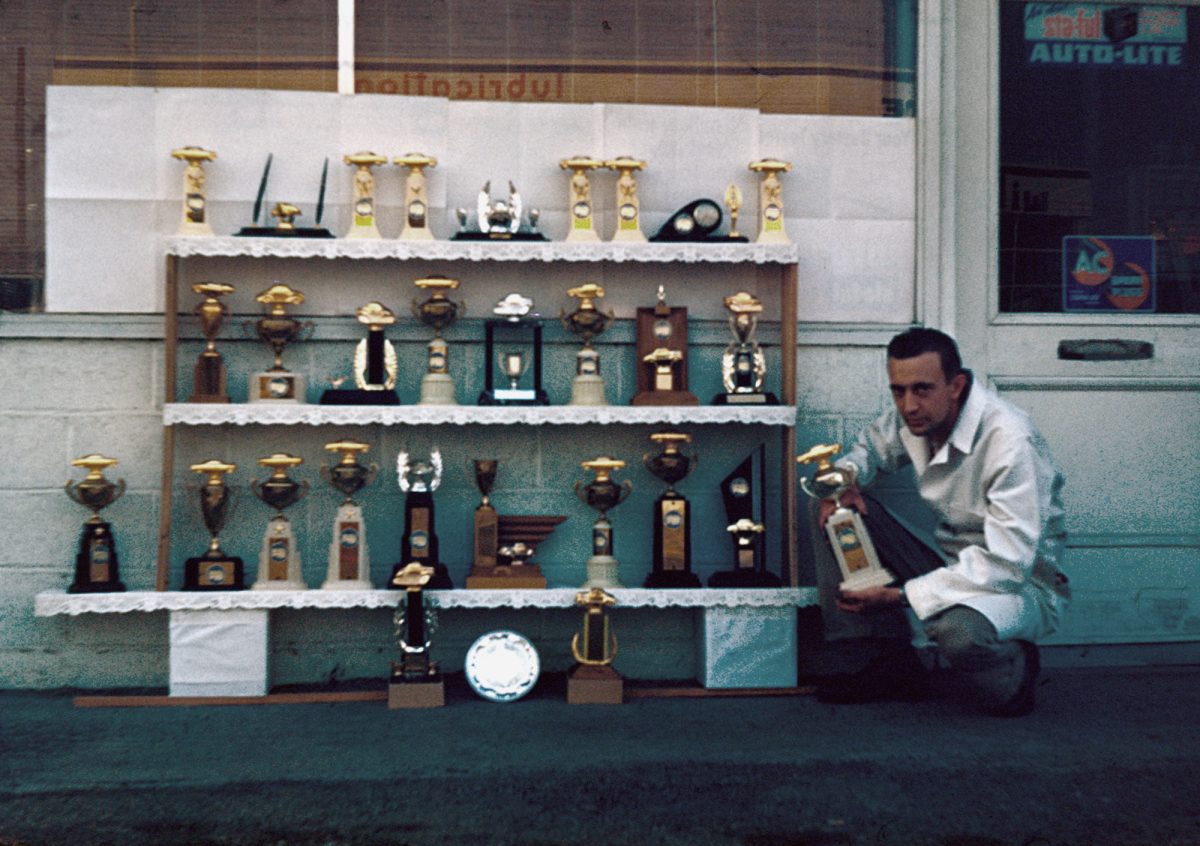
{"x": 375, "y": 364}
{"x": 770, "y": 201}
{"x": 629, "y": 220}
{"x": 603, "y": 494}
{"x": 593, "y": 681}
{"x": 672, "y": 515}
{"x": 416, "y": 681}
{"x": 583, "y": 226}
{"x": 363, "y": 223}
{"x": 416, "y": 196}
{"x": 214, "y": 570}
{"x": 349, "y": 560}
{"x": 195, "y": 205}
{"x": 743, "y": 491}
{"x": 208, "y": 383}
{"x": 96, "y": 567}
{"x": 279, "y": 560}
{"x": 419, "y": 543}
{"x": 587, "y": 322}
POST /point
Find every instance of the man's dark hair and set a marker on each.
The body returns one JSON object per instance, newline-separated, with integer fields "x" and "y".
{"x": 919, "y": 340}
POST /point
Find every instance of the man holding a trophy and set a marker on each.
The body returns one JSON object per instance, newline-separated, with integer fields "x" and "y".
{"x": 990, "y": 586}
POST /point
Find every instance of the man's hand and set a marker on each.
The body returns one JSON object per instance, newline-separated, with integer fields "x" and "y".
{"x": 852, "y": 498}
{"x": 871, "y": 599}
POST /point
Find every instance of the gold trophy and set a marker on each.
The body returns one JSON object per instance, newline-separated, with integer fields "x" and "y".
{"x": 214, "y": 570}
{"x": 375, "y": 363}
{"x": 437, "y": 312}
{"x": 505, "y": 543}
{"x": 583, "y": 227}
{"x": 603, "y": 494}
{"x": 593, "y": 681}
{"x": 733, "y": 202}
{"x": 363, "y": 224}
{"x": 208, "y": 383}
{"x": 96, "y": 568}
{"x": 672, "y": 514}
{"x": 277, "y": 329}
{"x": 416, "y": 681}
{"x": 629, "y": 220}
{"x": 770, "y": 201}
{"x": 487, "y": 521}
{"x": 416, "y": 197}
{"x": 279, "y": 560}
{"x": 587, "y": 322}
{"x": 349, "y": 559}
{"x": 195, "y": 205}
{"x": 743, "y": 364}
{"x": 848, "y": 536}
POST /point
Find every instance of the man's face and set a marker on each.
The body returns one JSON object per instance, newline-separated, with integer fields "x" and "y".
{"x": 927, "y": 401}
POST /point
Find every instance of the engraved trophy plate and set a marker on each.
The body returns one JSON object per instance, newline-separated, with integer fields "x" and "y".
{"x": 279, "y": 565}
{"x": 770, "y": 201}
{"x": 502, "y": 666}
{"x": 629, "y": 217}
{"x": 583, "y": 226}
{"x": 194, "y": 220}
{"x": 214, "y": 570}
{"x": 96, "y": 567}
{"x": 416, "y": 196}
{"x": 349, "y": 563}
{"x": 362, "y": 223}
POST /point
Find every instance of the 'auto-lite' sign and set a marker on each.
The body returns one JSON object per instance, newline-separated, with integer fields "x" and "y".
{"x": 1108, "y": 273}
{"x": 1100, "y": 34}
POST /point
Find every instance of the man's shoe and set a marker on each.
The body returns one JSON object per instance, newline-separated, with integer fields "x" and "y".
{"x": 897, "y": 674}
{"x": 1022, "y": 701}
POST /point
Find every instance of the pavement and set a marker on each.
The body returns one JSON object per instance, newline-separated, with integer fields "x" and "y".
{"x": 1108, "y": 757}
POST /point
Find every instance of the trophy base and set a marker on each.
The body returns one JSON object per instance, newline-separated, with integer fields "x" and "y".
{"x": 423, "y": 694}
{"x": 96, "y": 587}
{"x": 765, "y": 398}
{"x": 627, "y": 236}
{"x": 212, "y": 573}
{"x": 437, "y": 389}
{"x": 215, "y": 398}
{"x": 672, "y": 579}
{"x": 416, "y": 233}
{"x": 357, "y": 396}
{"x": 276, "y": 232}
{"x": 590, "y": 684}
{"x": 499, "y": 236}
{"x": 346, "y": 584}
{"x": 864, "y": 579}
{"x": 513, "y": 396}
{"x": 202, "y": 229}
{"x": 277, "y": 386}
{"x": 440, "y": 580}
{"x": 369, "y": 232}
{"x": 584, "y": 236}
{"x": 772, "y": 237}
{"x": 602, "y": 572}
{"x": 278, "y": 584}
{"x": 744, "y": 578}
{"x": 506, "y": 577}
{"x": 664, "y": 398}
{"x": 588, "y": 390}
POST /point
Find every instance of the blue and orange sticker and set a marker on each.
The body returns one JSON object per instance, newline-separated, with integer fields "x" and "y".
{"x": 1108, "y": 273}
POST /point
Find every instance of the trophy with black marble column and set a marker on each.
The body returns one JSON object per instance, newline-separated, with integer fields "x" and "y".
{"x": 96, "y": 569}
{"x": 743, "y": 491}
{"x": 208, "y": 383}
{"x": 603, "y": 494}
{"x": 416, "y": 681}
{"x": 279, "y": 560}
{"x": 349, "y": 557}
{"x": 375, "y": 363}
{"x": 593, "y": 681}
{"x": 672, "y": 514}
{"x": 419, "y": 543}
{"x": 214, "y": 570}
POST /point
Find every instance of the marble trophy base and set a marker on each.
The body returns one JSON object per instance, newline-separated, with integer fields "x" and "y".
{"x": 588, "y": 390}
{"x": 437, "y": 389}
{"x": 430, "y": 694}
{"x": 743, "y": 578}
{"x": 672, "y": 579}
{"x": 766, "y": 398}
{"x": 665, "y": 398}
{"x": 358, "y": 396}
{"x": 356, "y": 574}
{"x": 863, "y": 579}
{"x": 278, "y": 232}
{"x": 192, "y": 228}
{"x": 292, "y": 387}
{"x": 416, "y": 233}
{"x": 589, "y": 684}
{"x": 214, "y": 572}
{"x": 288, "y": 572}
{"x": 96, "y": 568}
{"x": 506, "y": 577}
{"x": 367, "y": 231}
{"x": 498, "y": 236}
{"x": 602, "y": 572}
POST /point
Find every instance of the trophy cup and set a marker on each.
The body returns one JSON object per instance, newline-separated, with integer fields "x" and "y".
{"x": 498, "y": 220}
{"x": 587, "y": 322}
{"x": 743, "y": 365}
{"x": 349, "y": 561}
{"x": 419, "y": 543}
{"x": 583, "y": 227}
{"x": 195, "y": 205}
{"x": 770, "y": 201}
{"x": 416, "y": 681}
{"x": 416, "y": 198}
{"x": 743, "y": 492}
{"x": 375, "y": 363}
{"x": 603, "y": 494}
{"x": 733, "y": 202}
{"x": 662, "y": 345}
{"x": 96, "y": 566}
{"x": 520, "y": 333}
{"x": 505, "y": 544}
{"x": 214, "y": 570}
{"x": 279, "y": 560}
{"x": 848, "y": 536}
{"x": 629, "y": 221}
{"x": 672, "y": 515}
{"x": 437, "y": 312}
{"x": 208, "y": 382}
{"x": 487, "y": 521}
{"x": 593, "y": 681}
{"x": 363, "y": 225}
{"x": 276, "y": 329}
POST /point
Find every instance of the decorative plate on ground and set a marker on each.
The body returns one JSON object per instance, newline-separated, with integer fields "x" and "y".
{"x": 502, "y": 666}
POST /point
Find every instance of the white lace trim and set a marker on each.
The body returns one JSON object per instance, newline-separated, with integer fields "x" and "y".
{"x": 187, "y": 246}
{"x": 52, "y": 604}
{"x": 241, "y": 414}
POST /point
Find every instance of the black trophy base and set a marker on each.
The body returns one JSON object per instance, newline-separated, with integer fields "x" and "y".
{"x": 766, "y": 398}
{"x": 96, "y": 587}
{"x": 489, "y": 398}
{"x": 744, "y": 579}
{"x": 672, "y": 579}
{"x": 440, "y": 580}
{"x": 662, "y": 237}
{"x": 357, "y": 396}
{"x": 96, "y": 566}
{"x": 208, "y": 573}
{"x": 276, "y": 232}
{"x": 498, "y": 236}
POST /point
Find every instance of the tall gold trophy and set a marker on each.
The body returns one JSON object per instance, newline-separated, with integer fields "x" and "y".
{"x": 603, "y": 494}
{"x": 587, "y": 322}
{"x": 208, "y": 383}
{"x": 349, "y": 558}
{"x": 96, "y": 569}
{"x": 438, "y": 312}
{"x": 582, "y": 209}
{"x": 770, "y": 201}
{"x": 852, "y": 546}
{"x": 214, "y": 570}
{"x": 629, "y": 215}
{"x": 277, "y": 329}
{"x": 363, "y": 223}
{"x": 195, "y": 204}
{"x": 672, "y": 514}
{"x": 416, "y": 196}
{"x": 279, "y": 560}
{"x": 593, "y": 681}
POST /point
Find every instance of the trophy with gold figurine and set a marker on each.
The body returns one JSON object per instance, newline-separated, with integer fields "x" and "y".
{"x": 349, "y": 560}
{"x": 416, "y": 681}
{"x": 848, "y": 536}
{"x": 505, "y": 544}
{"x": 743, "y": 364}
{"x": 581, "y": 208}
{"x": 416, "y": 196}
{"x": 418, "y": 480}
{"x": 279, "y": 560}
{"x": 593, "y": 681}
{"x": 587, "y": 322}
{"x": 96, "y": 567}
{"x": 277, "y": 329}
{"x": 438, "y": 312}
{"x": 363, "y": 222}
{"x": 208, "y": 383}
{"x": 629, "y": 219}
{"x": 733, "y": 202}
{"x": 662, "y": 349}
{"x": 214, "y": 570}
{"x": 518, "y": 331}
{"x": 672, "y": 514}
{"x": 603, "y": 494}
{"x": 770, "y": 201}
{"x": 375, "y": 364}
{"x": 743, "y": 492}
{"x": 195, "y": 204}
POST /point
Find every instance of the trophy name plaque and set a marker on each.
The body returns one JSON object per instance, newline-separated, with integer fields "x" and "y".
{"x": 603, "y": 494}
{"x": 743, "y": 492}
{"x": 672, "y": 514}
{"x": 438, "y": 312}
{"x": 518, "y": 333}
{"x": 195, "y": 204}
{"x": 208, "y": 383}
{"x": 362, "y": 224}
{"x": 662, "y": 343}
{"x": 349, "y": 558}
{"x": 770, "y": 201}
{"x": 375, "y": 364}
{"x": 848, "y": 536}
{"x": 416, "y": 196}
{"x": 629, "y": 218}
{"x": 277, "y": 329}
{"x": 593, "y": 681}
{"x": 419, "y": 543}
{"x": 279, "y": 559}
{"x": 582, "y": 211}
{"x": 498, "y": 220}
{"x": 214, "y": 570}
{"x": 96, "y": 567}
{"x": 743, "y": 364}
{"x": 587, "y": 321}
{"x": 416, "y": 681}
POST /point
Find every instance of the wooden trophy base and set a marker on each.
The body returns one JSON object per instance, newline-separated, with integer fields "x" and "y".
{"x": 429, "y": 694}
{"x": 506, "y": 577}
{"x": 664, "y": 398}
{"x": 589, "y": 684}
